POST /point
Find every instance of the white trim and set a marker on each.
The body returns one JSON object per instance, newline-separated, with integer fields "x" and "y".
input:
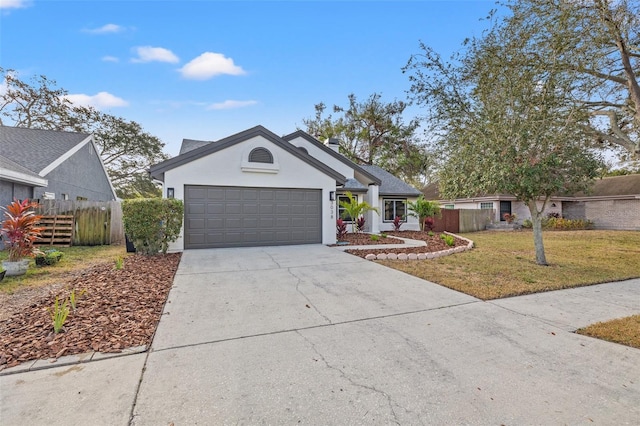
{"x": 68, "y": 154}
{"x": 19, "y": 177}
{"x": 64, "y": 157}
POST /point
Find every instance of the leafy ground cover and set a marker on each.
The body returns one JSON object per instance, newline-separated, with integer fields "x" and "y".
{"x": 362, "y": 239}
{"x": 115, "y": 308}
{"x": 434, "y": 243}
{"x": 503, "y": 263}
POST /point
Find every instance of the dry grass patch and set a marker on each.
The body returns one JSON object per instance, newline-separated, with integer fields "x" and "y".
{"x": 74, "y": 259}
{"x": 625, "y": 331}
{"x": 503, "y": 263}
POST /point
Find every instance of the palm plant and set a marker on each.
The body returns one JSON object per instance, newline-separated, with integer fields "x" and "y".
{"x": 422, "y": 209}
{"x": 354, "y": 210}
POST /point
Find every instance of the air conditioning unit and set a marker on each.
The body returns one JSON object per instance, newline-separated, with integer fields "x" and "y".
{"x": 49, "y": 196}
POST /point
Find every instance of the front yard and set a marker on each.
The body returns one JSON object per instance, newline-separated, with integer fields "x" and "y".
{"x": 503, "y": 263}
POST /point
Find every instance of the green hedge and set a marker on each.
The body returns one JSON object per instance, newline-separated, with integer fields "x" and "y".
{"x": 152, "y": 223}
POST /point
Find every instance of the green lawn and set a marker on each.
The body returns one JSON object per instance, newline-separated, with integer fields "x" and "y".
{"x": 74, "y": 259}
{"x": 503, "y": 263}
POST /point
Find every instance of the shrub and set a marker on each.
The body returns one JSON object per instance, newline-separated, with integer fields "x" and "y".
{"x": 341, "y": 229}
{"x": 48, "y": 257}
{"x": 152, "y": 223}
{"x": 527, "y": 224}
{"x": 554, "y": 214}
{"x": 428, "y": 223}
{"x": 360, "y": 223}
{"x": 20, "y": 229}
{"x": 375, "y": 237}
{"x": 510, "y": 217}
{"x": 397, "y": 223}
{"x": 448, "y": 239}
{"x": 560, "y": 224}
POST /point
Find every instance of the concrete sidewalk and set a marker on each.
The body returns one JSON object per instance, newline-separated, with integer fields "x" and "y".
{"x": 311, "y": 335}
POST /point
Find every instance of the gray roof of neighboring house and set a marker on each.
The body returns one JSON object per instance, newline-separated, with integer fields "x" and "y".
{"x": 391, "y": 185}
{"x": 8, "y": 170}
{"x": 157, "y": 170}
{"x": 613, "y": 185}
{"x": 331, "y": 152}
{"x": 35, "y": 149}
{"x": 191, "y": 144}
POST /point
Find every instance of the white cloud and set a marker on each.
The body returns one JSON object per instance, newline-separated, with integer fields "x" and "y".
{"x": 209, "y": 65}
{"x": 14, "y": 4}
{"x": 231, "y": 104}
{"x": 99, "y": 100}
{"x": 155, "y": 54}
{"x": 106, "y": 29}
{"x": 110, "y": 59}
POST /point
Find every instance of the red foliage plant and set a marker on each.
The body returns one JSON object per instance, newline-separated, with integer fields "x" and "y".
{"x": 20, "y": 229}
{"x": 428, "y": 223}
{"x": 360, "y": 223}
{"x": 397, "y": 223}
{"x": 341, "y": 228}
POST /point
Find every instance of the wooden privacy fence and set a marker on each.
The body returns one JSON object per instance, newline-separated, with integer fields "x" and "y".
{"x": 463, "y": 220}
{"x": 94, "y": 222}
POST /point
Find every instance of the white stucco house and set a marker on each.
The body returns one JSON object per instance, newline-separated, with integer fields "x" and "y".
{"x": 256, "y": 188}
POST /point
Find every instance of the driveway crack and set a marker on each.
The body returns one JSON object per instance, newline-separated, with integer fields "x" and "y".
{"x": 309, "y": 303}
{"x": 390, "y": 401}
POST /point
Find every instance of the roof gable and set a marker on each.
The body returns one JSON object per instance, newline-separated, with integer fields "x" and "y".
{"x": 391, "y": 185}
{"x": 191, "y": 144}
{"x": 37, "y": 149}
{"x": 157, "y": 171}
{"x": 364, "y": 173}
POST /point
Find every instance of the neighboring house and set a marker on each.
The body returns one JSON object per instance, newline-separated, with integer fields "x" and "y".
{"x": 612, "y": 203}
{"x": 46, "y": 164}
{"x": 256, "y": 188}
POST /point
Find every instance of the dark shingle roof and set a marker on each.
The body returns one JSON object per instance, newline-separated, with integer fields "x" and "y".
{"x": 191, "y": 144}
{"x": 353, "y": 185}
{"x": 7, "y": 164}
{"x": 614, "y": 185}
{"x": 331, "y": 152}
{"x": 35, "y": 149}
{"x": 391, "y": 185}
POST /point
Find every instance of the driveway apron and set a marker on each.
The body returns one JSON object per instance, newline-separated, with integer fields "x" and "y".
{"x": 311, "y": 335}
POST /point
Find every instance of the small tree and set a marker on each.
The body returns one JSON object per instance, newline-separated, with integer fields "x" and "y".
{"x": 422, "y": 209}
{"x": 152, "y": 223}
{"x": 354, "y": 210}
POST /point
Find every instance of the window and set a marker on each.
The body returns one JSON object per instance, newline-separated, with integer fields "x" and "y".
{"x": 260, "y": 155}
{"x": 344, "y": 198}
{"x": 79, "y": 198}
{"x": 65, "y": 196}
{"x": 486, "y": 206}
{"x": 449, "y": 206}
{"x": 393, "y": 208}
{"x": 303, "y": 149}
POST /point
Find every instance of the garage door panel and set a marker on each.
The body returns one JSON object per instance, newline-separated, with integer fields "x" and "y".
{"x": 233, "y": 208}
{"x": 250, "y": 208}
{"x": 196, "y": 208}
{"x": 246, "y": 216}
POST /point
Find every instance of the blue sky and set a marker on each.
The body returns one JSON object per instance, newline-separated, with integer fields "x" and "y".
{"x": 208, "y": 69}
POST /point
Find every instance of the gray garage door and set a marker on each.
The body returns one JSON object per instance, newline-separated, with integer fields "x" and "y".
{"x": 222, "y": 216}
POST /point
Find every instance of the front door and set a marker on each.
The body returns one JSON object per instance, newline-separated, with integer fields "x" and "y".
{"x": 505, "y": 207}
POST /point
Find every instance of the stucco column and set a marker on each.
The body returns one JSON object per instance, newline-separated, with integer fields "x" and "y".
{"x": 373, "y": 218}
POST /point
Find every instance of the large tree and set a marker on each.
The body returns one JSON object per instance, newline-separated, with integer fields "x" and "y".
{"x": 125, "y": 148}
{"x": 597, "y": 44}
{"x": 374, "y": 132}
{"x": 504, "y": 131}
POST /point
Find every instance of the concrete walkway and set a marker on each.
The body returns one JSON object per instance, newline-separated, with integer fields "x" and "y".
{"x": 311, "y": 335}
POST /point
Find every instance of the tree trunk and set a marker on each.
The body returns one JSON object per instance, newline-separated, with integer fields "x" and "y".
{"x": 536, "y": 220}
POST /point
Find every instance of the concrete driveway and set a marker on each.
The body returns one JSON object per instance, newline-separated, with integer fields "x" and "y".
{"x": 311, "y": 335}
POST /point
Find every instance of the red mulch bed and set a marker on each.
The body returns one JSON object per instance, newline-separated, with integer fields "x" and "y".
{"x": 120, "y": 309}
{"x": 362, "y": 239}
{"x": 434, "y": 244}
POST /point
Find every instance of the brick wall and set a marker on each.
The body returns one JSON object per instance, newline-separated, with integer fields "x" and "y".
{"x": 609, "y": 214}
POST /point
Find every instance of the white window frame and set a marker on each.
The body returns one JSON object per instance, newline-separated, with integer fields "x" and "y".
{"x": 394, "y": 200}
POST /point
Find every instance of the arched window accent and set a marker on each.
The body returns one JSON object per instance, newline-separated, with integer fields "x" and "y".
{"x": 260, "y": 155}
{"x": 303, "y": 149}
